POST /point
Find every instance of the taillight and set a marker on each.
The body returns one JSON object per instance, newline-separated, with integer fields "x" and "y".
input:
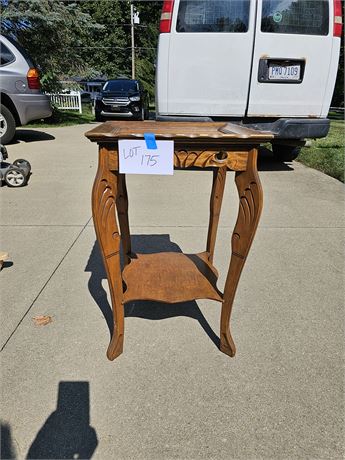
{"x": 166, "y": 17}
{"x": 338, "y": 20}
{"x": 33, "y": 79}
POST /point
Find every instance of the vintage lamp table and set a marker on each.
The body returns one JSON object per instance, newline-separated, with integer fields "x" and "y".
{"x": 215, "y": 146}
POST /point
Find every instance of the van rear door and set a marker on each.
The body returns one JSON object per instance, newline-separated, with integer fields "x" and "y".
{"x": 295, "y": 58}
{"x": 209, "y": 51}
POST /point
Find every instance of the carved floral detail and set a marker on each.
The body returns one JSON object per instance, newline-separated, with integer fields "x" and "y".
{"x": 106, "y": 219}
{"x": 247, "y": 219}
{"x": 236, "y": 161}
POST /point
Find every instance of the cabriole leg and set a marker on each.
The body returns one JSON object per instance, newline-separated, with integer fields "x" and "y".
{"x": 250, "y": 206}
{"x": 219, "y": 176}
{"x": 122, "y": 212}
{"x": 104, "y": 195}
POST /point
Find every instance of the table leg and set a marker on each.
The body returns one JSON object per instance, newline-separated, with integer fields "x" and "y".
{"x": 104, "y": 196}
{"x": 219, "y": 176}
{"x": 122, "y": 212}
{"x": 250, "y": 206}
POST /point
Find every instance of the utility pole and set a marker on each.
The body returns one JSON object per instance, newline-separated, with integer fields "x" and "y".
{"x": 132, "y": 38}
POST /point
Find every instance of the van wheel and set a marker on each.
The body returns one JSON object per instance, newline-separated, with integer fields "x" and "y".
{"x": 7, "y": 125}
{"x": 285, "y": 152}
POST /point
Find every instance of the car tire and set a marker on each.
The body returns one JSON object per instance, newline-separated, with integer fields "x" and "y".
{"x": 285, "y": 152}
{"x": 7, "y": 125}
{"x": 15, "y": 177}
{"x": 141, "y": 115}
{"x": 98, "y": 117}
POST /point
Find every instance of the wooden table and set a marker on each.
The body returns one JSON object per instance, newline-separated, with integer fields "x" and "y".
{"x": 183, "y": 277}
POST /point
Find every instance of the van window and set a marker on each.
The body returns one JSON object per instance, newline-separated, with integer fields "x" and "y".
{"x": 213, "y": 16}
{"x": 306, "y": 17}
{"x": 6, "y": 56}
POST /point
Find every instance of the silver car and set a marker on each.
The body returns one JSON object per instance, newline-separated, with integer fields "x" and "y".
{"x": 21, "y": 97}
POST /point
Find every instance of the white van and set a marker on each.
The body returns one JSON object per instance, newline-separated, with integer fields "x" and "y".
{"x": 268, "y": 64}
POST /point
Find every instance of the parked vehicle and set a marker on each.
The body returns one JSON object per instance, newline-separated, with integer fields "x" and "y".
{"x": 122, "y": 98}
{"x": 266, "y": 64}
{"x": 21, "y": 98}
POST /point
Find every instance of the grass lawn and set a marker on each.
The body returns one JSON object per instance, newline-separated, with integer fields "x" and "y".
{"x": 65, "y": 118}
{"x": 327, "y": 154}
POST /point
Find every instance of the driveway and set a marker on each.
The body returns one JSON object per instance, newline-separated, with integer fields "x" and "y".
{"x": 172, "y": 394}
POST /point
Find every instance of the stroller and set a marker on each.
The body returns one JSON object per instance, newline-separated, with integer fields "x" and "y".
{"x": 15, "y": 174}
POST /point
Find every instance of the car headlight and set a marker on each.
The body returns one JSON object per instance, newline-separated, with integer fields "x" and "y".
{"x": 134, "y": 98}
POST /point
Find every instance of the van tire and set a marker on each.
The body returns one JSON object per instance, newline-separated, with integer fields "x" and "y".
{"x": 7, "y": 125}
{"x": 285, "y": 152}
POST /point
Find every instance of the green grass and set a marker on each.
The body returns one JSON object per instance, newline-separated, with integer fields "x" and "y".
{"x": 65, "y": 118}
{"x": 327, "y": 154}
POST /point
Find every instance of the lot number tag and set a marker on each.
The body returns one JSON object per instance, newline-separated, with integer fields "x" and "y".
{"x": 136, "y": 157}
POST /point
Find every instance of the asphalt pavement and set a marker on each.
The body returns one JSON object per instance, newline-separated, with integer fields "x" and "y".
{"x": 172, "y": 394}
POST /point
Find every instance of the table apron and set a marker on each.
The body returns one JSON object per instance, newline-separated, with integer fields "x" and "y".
{"x": 234, "y": 157}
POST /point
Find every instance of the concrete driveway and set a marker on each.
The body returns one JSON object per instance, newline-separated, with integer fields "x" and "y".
{"x": 172, "y": 394}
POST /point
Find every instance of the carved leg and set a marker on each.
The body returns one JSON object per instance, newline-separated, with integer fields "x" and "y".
{"x": 104, "y": 195}
{"x": 219, "y": 176}
{"x": 122, "y": 212}
{"x": 251, "y": 200}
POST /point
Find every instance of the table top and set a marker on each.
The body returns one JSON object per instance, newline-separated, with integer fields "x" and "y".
{"x": 219, "y": 131}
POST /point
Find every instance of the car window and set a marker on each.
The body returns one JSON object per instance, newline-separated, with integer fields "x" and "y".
{"x": 307, "y": 17}
{"x": 121, "y": 85}
{"x": 21, "y": 50}
{"x": 213, "y": 16}
{"x": 6, "y": 56}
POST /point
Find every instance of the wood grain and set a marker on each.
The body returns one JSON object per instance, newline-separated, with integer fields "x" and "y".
{"x": 122, "y": 212}
{"x": 210, "y": 131}
{"x": 170, "y": 277}
{"x": 219, "y": 176}
{"x": 236, "y": 161}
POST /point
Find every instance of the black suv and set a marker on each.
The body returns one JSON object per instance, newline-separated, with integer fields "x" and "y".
{"x": 122, "y": 98}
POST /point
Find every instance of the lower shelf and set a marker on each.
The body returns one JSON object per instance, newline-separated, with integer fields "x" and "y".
{"x": 170, "y": 277}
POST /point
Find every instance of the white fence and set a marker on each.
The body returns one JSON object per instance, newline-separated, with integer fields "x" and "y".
{"x": 66, "y": 101}
{"x": 337, "y": 109}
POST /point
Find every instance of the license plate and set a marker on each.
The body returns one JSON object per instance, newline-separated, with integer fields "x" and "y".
{"x": 115, "y": 108}
{"x": 286, "y": 72}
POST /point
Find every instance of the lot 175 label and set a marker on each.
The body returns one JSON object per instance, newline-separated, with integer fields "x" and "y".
{"x": 136, "y": 158}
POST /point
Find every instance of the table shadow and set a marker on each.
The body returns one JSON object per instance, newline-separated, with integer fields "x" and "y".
{"x": 31, "y": 135}
{"x": 7, "y": 447}
{"x": 67, "y": 434}
{"x": 144, "y": 244}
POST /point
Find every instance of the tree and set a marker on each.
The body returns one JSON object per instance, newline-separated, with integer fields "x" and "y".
{"x": 86, "y": 38}
{"x": 109, "y": 50}
{"x": 53, "y": 32}
{"x": 146, "y": 38}
{"x": 106, "y": 49}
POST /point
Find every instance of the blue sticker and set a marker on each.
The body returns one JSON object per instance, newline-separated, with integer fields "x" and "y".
{"x": 150, "y": 141}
